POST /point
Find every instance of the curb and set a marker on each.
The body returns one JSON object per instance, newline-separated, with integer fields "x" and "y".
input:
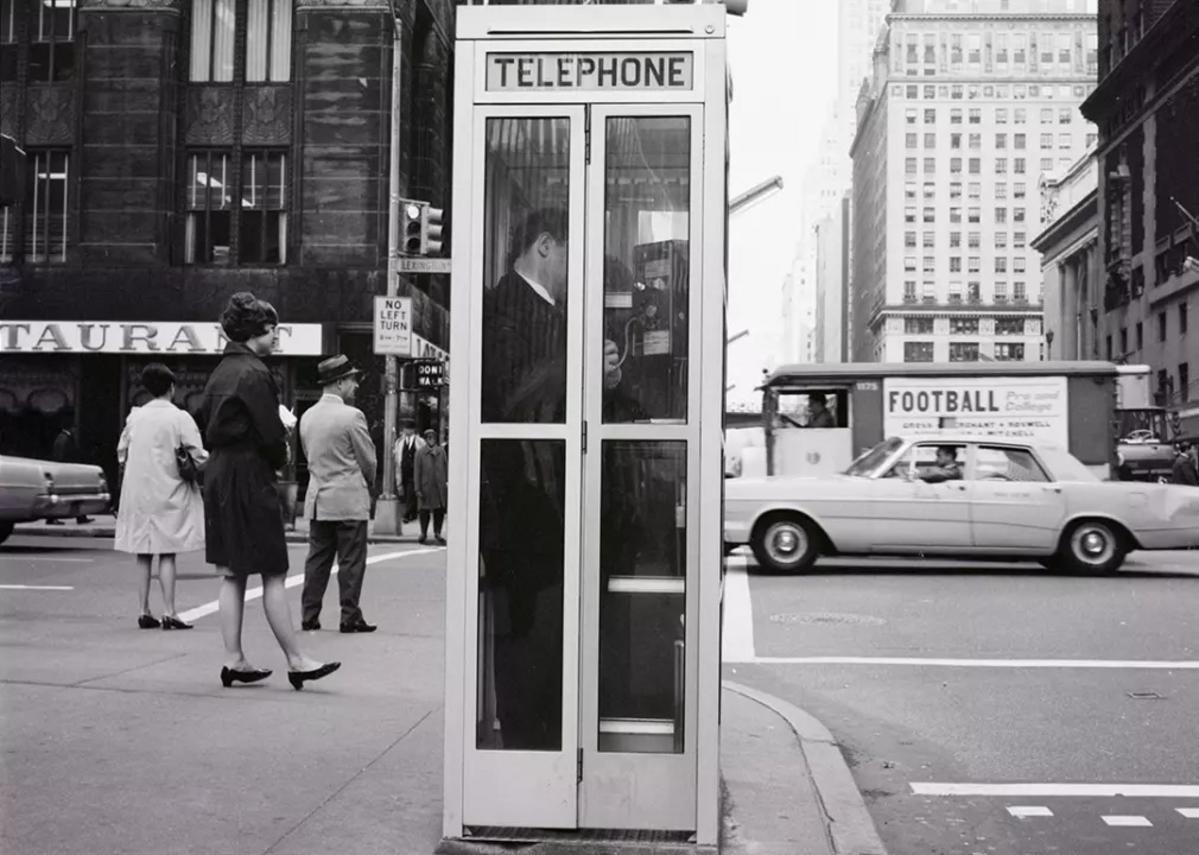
{"x": 43, "y": 530}
{"x": 850, "y": 826}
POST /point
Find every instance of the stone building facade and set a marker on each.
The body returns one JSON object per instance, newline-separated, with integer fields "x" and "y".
{"x": 178, "y": 152}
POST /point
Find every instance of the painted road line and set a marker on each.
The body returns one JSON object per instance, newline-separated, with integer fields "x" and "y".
{"x": 294, "y": 581}
{"x": 1114, "y": 664}
{"x": 1050, "y": 790}
{"x": 1128, "y": 821}
{"x": 1025, "y": 811}
{"x": 37, "y": 587}
{"x": 1189, "y": 813}
{"x": 738, "y": 632}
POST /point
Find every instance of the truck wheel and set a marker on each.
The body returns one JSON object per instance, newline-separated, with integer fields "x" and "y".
{"x": 1093, "y": 547}
{"x": 5, "y": 530}
{"x": 785, "y": 543}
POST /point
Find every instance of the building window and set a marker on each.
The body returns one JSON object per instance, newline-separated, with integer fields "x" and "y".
{"x": 268, "y": 25}
{"x": 1108, "y": 344}
{"x": 917, "y": 351}
{"x": 1065, "y": 116}
{"x": 910, "y": 140}
{"x": 1001, "y": 166}
{"x": 955, "y": 141}
{"x": 930, "y": 165}
{"x": 1018, "y": 264}
{"x": 974, "y": 240}
{"x": 909, "y": 240}
{"x": 955, "y": 116}
{"x": 918, "y": 326}
{"x": 910, "y": 165}
{"x": 1000, "y": 191}
{"x": 909, "y": 263}
{"x": 930, "y": 215}
{"x": 1000, "y": 215}
{"x": 973, "y": 264}
{"x": 930, "y": 117}
{"x": 1184, "y": 382}
{"x": 1001, "y": 265}
{"x": 1019, "y": 165}
{"x": 909, "y": 291}
{"x": 963, "y": 326}
{"x": 261, "y": 224}
{"x": 46, "y": 207}
{"x": 911, "y": 114}
{"x": 1001, "y": 141}
{"x": 1161, "y": 326}
{"x": 976, "y": 142}
{"x": 1001, "y": 240}
{"x": 955, "y": 264}
{"x": 909, "y": 215}
{"x": 8, "y": 227}
{"x": 1140, "y": 335}
{"x": 976, "y": 116}
{"x": 1000, "y": 292}
{"x": 1182, "y": 318}
{"x": 1123, "y": 341}
{"x": 955, "y": 292}
{"x": 955, "y": 240}
{"x": 930, "y": 140}
{"x": 974, "y": 215}
{"x": 52, "y": 48}
{"x": 963, "y": 351}
{"x": 955, "y": 215}
{"x": 1020, "y": 292}
{"x": 973, "y": 292}
{"x": 929, "y": 294}
{"x": 930, "y": 264}
{"x": 213, "y": 25}
{"x": 1009, "y": 352}
{"x": 1009, "y": 326}
{"x": 930, "y": 240}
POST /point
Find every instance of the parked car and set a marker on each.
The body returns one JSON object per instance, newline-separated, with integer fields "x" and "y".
{"x": 1000, "y": 500}
{"x": 40, "y": 489}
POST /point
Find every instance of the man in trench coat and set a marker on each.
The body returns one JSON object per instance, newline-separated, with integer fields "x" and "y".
{"x": 430, "y": 481}
{"x": 338, "y": 503}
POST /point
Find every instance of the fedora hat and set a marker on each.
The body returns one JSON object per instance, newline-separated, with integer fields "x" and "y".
{"x": 335, "y": 368}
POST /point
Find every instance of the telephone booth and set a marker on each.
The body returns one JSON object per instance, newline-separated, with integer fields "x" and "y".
{"x": 586, "y": 403}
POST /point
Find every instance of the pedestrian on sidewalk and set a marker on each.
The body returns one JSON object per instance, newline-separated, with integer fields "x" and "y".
{"x": 243, "y": 515}
{"x": 431, "y": 486}
{"x": 340, "y": 497}
{"x": 405, "y": 462}
{"x": 162, "y": 514}
{"x": 66, "y": 450}
{"x": 1186, "y": 464}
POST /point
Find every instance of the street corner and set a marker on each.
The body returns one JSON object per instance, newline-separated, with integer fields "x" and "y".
{"x": 788, "y": 787}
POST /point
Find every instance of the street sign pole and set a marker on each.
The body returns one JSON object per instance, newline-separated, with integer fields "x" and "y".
{"x": 387, "y": 510}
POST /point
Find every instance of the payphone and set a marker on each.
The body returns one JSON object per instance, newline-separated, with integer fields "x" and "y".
{"x": 586, "y": 402}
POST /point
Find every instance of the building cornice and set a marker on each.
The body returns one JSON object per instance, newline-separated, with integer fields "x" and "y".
{"x": 1002, "y": 18}
{"x": 1084, "y": 214}
{"x": 1179, "y": 23}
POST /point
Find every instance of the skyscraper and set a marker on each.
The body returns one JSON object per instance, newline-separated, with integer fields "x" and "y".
{"x": 966, "y": 112}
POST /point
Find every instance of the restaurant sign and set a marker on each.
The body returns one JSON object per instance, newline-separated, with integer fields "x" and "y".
{"x": 168, "y": 338}
{"x": 1032, "y": 409}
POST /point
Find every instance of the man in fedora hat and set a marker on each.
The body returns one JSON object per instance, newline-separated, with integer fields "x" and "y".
{"x": 338, "y": 503}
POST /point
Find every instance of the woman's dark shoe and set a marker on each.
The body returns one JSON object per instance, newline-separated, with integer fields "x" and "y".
{"x": 169, "y": 622}
{"x": 231, "y": 675}
{"x": 148, "y": 622}
{"x": 297, "y": 678}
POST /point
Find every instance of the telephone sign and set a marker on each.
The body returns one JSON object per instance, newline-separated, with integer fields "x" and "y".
{"x": 429, "y": 374}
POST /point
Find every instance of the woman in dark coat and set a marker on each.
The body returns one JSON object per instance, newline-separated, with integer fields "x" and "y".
{"x": 243, "y": 520}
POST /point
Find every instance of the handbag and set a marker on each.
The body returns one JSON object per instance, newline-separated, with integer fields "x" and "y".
{"x": 189, "y": 470}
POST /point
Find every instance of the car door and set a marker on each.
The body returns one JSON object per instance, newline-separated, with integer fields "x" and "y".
{"x": 911, "y": 515}
{"x": 1015, "y": 506}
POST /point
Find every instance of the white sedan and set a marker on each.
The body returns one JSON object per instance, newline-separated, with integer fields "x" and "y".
{"x": 959, "y": 496}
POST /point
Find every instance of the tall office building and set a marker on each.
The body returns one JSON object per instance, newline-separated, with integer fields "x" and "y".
{"x": 858, "y": 25}
{"x": 1147, "y": 109}
{"x": 967, "y": 111}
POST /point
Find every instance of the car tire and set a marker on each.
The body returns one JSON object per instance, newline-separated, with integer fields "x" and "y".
{"x": 1093, "y": 547}
{"x": 5, "y": 529}
{"x": 785, "y": 543}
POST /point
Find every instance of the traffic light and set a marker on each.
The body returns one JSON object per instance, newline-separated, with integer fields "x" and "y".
{"x": 431, "y": 230}
{"x": 411, "y": 226}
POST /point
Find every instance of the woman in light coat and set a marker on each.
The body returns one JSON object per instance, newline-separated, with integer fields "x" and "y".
{"x": 161, "y": 514}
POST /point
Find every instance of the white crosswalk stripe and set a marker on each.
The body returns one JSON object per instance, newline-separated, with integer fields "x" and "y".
{"x": 1025, "y": 811}
{"x": 1128, "y": 821}
{"x": 1189, "y": 813}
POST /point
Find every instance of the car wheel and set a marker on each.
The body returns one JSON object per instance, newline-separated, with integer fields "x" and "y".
{"x": 5, "y": 530}
{"x": 1093, "y": 546}
{"x": 785, "y": 544}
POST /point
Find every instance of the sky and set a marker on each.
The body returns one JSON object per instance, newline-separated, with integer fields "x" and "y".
{"x": 783, "y": 59}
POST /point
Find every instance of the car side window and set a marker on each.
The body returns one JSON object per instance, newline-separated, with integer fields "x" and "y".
{"x": 996, "y": 463}
{"x": 924, "y": 455}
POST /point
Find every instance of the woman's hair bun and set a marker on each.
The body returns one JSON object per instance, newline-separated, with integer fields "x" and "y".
{"x": 246, "y": 317}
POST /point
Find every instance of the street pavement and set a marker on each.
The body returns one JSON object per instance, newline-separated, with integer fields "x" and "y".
{"x": 994, "y": 708}
{"x": 120, "y": 740}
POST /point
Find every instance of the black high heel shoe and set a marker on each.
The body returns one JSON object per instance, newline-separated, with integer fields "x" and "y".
{"x": 170, "y": 622}
{"x": 148, "y": 622}
{"x": 231, "y": 675}
{"x": 297, "y": 678}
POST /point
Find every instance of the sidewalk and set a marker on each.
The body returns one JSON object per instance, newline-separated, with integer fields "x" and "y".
{"x": 124, "y": 741}
{"x": 104, "y": 525}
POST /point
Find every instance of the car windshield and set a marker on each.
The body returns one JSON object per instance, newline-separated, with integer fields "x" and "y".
{"x": 868, "y": 461}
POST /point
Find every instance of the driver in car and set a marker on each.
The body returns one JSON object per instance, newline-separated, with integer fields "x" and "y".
{"x": 946, "y": 468}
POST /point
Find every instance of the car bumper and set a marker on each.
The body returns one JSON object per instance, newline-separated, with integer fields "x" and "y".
{"x": 1168, "y": 538}
{"x": 55, "y": 506}
{"x": 736, "y": 531}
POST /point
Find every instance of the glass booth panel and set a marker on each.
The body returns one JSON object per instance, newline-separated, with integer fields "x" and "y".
{"x": 525, "y": 255}
{"x": 522, "y": 496}
{"x": 647, "y": 231}
{"x": 643, "y": 567}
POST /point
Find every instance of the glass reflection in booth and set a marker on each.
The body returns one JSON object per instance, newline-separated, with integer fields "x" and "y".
{"x": 647, "y": 231}
{"x": 525, "y": 255}
{"x": 643, "y": 567}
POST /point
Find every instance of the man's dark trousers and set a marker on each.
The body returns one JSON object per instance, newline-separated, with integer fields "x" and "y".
{"x": 346, "y": 539}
